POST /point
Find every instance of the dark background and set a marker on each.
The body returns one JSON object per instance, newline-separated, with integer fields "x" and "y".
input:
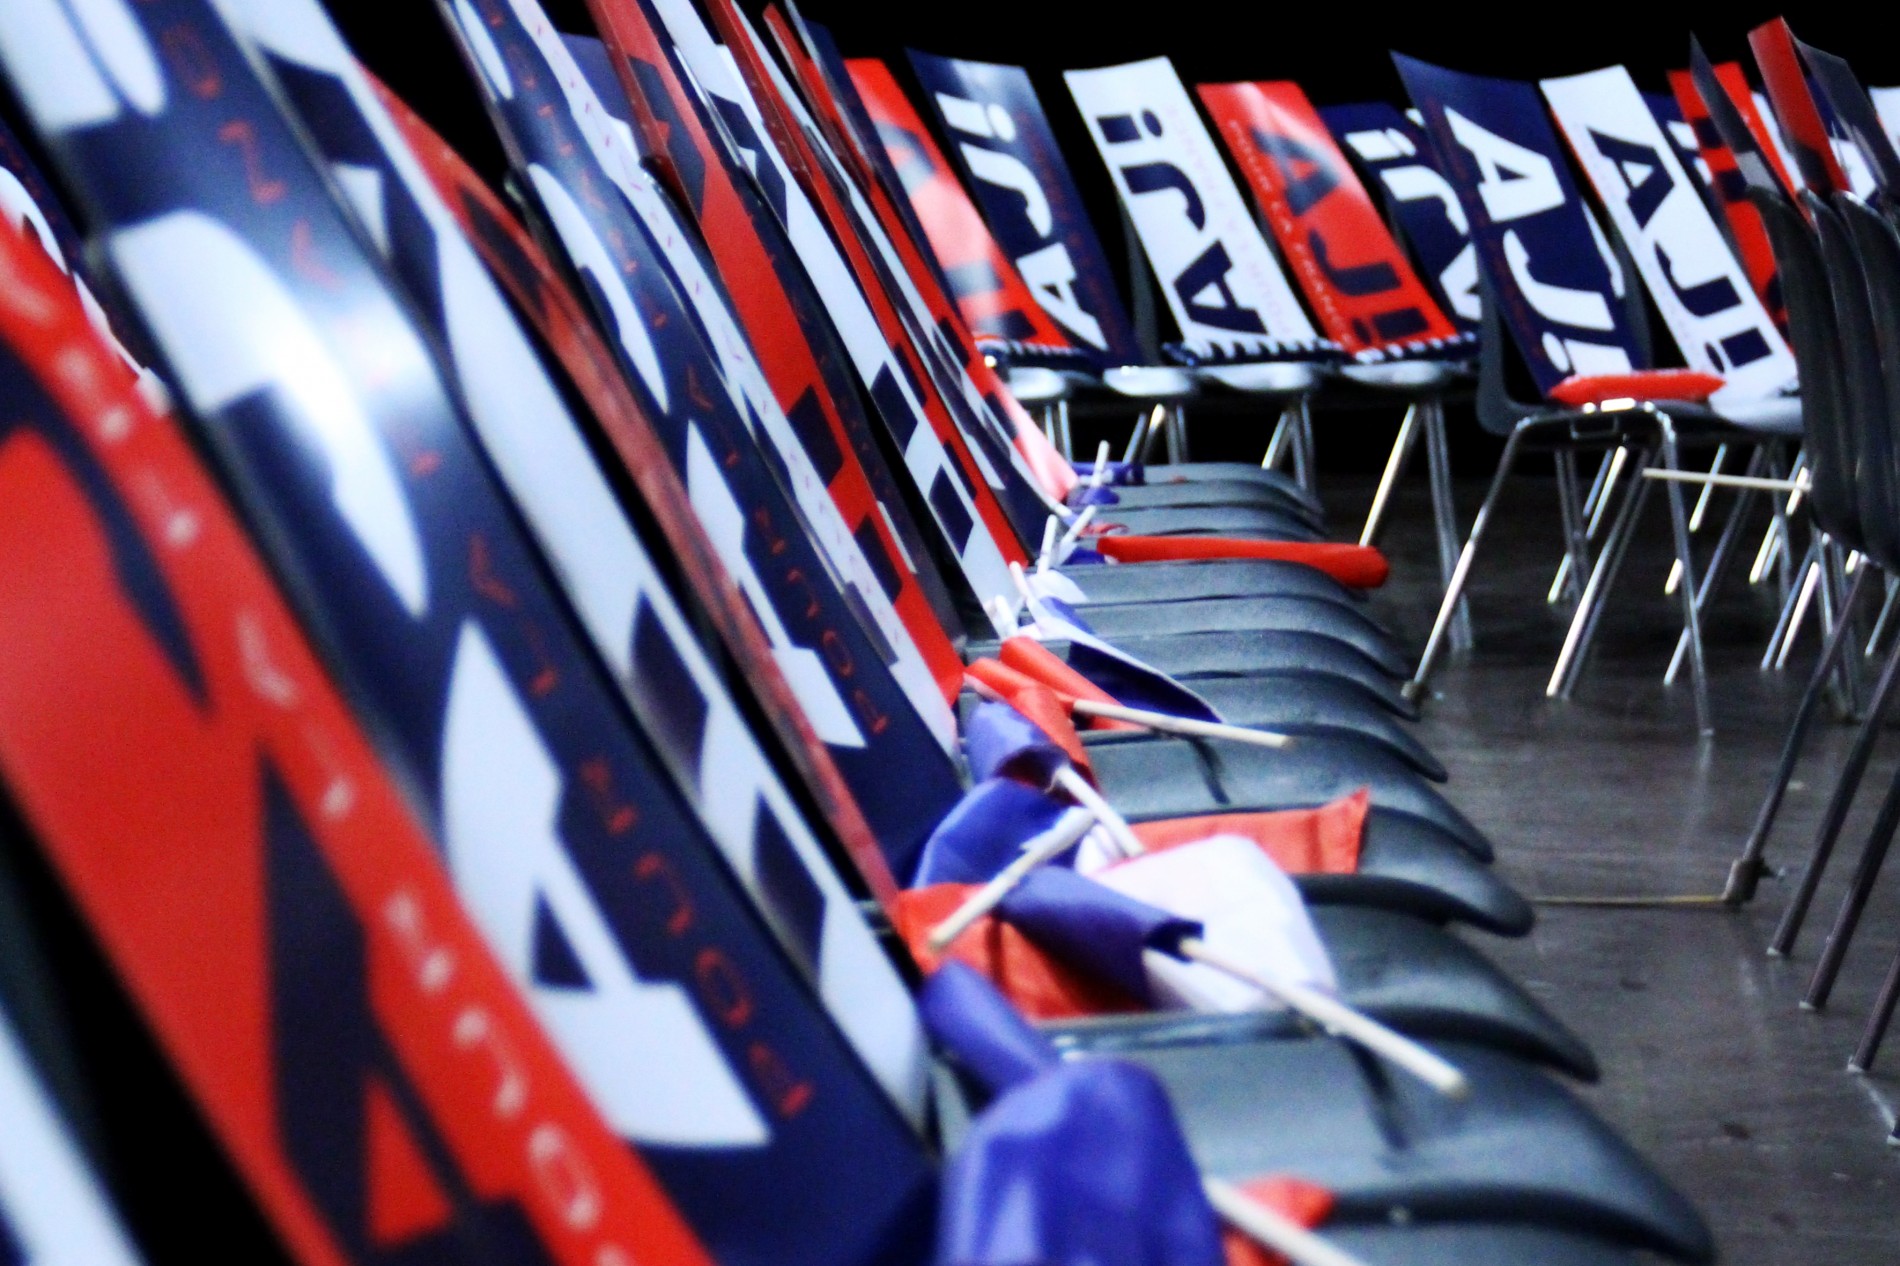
{"x": 1336, "y": 51}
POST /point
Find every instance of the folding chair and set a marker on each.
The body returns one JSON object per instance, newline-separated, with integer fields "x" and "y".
{"x": 1565, "y": 323}
{"x": 1001, "y": 141}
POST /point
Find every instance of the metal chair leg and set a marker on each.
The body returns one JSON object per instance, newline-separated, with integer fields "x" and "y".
{"x": 1744, "y": 874}
{"x": 1454, "y": 589}
{"x": 1395, "y": 464}
{"x": 1877, "y": 1020}
{"x": 1837, "y": 806}
{"x": 1596, "y": 504}
{"x": 1834, "y": 583}
{"x": 1708, "y": 490}
{"x": 1880, "y": 621}
{"x": 1138, "y": 438}
{"x": 1575, "y": 563}
{"x": 1590, "y": 607}
{"x": 1873, "y": 855}
{"x": 1685, "y": 555}
{"x": 1784, "y": 622}
{"x": 1719, "y": 562}
{"x": 1174, "y": 427}
{"x": 1303, "y": 444}
{"x": 1445, "y": 515}
{"x": 1065, "y": 433}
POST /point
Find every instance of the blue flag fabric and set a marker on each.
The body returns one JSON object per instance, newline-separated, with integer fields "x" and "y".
{"x": 1135, "y": 473}
{"x": 986, "y": 831}
{"x": 1014, "y": 1194}
{"x": 971, "y": 1021}
{"x": 1092, "y": 927}
{"x": 1135, "y": 684}
{"x": 1003, "y": 743}
{"x": 1495, "y": 143}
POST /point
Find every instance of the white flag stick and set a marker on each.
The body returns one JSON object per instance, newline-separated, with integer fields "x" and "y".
{"x": 1028, "y": 595}
{"x": 1336, "y": 1017}
{"x": 1074, "y": 534}
{"x": 1273, "y": 1229}
{"x": 1064, "y": 835}
{"x": 1114, "y": 823}
{"x": 1169, "y": 724}
{"x": 1099, "y": 475}
{"x": 1044, "y": 556}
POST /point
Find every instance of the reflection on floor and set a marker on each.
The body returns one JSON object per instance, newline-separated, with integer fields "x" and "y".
{"x": 1709, "y": 1067}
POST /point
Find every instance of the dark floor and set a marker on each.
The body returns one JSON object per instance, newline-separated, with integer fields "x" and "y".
{"x": 1709, "y": 1067}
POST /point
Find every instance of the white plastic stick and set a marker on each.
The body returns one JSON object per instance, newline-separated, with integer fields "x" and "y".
{"x": 1336, "y": 1017}
{"x": 1114, "y": 823}
{"x": 1046, "y": 555}
{"x": 1169, "y": 724}
{"x": 1063, "y": 836}
{"x": 1030, "y": 601}
{"x": 1761, "y": 482}
{"x": 1099, "y": 475}
{"x": 1273, "y": 1229}
{"x": 1074, "y": 534}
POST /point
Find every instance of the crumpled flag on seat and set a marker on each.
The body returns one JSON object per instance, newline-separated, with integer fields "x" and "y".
{"x": 1357, "y": 566}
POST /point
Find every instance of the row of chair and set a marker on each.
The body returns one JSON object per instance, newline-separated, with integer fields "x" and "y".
{"x": 605, "y": 734}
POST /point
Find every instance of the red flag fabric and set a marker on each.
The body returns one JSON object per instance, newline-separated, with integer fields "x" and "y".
{"x": 1357, "y": 566}
{"x": 1322, "y": 841}
{"x": 1030, "y": 658}
{"x": 1305, "y": 1203}
{"x": 1040, "y": 986}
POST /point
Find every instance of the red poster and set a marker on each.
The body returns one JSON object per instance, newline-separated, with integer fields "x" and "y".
{"x": 1731, "y": 190}
{"x": 990, "y": 293}
{"x": 249, "y": 869}
{"x": 1356, "y": 277}
{"x": 1801, "y": 123}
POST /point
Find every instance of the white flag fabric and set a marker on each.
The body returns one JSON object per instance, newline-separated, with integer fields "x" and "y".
{"x": 1250, "y": 912}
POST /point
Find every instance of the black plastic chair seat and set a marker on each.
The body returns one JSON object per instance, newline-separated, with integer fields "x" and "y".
{"x": 1315, "y": 707}
{"x": 1265, "y": 653}
{"x": 1521, "y": 1148}
{"x": 1246, "y": 522}
{"x": 1402, "y": 971}
{"x": 1207, "y": 578}
{"x": 1162, "y": 777}
{"x": 1474, "y": 1244}
{"x": 1350, "y": 625}
{"x": 1213, "y": 492}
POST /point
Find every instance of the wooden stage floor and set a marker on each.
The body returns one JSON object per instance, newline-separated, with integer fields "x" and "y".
{"x": 1709, "y": 1066}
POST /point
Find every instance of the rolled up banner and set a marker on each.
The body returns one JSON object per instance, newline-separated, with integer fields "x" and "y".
{"x": 1696, "y": 281}
{"x": 1393, "y": 150}
{"x": 1222, "y": 283}
{"x": 1356, "y": 277}
{"x": 1000, "y": 139}
{"x": 1535, "y": 240}
{"x": 322, "y": 398}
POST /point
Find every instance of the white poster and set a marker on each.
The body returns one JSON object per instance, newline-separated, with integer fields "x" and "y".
{"x": 1223, "y": 284}
{"x": 1696, "y": 281}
